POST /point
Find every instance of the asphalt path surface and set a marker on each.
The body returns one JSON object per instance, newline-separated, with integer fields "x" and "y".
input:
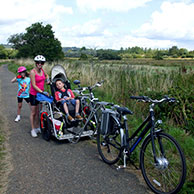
{"x": 56, "y": 167}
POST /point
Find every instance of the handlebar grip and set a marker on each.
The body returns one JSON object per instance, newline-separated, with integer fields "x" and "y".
{"x": 137, "y": 97}
{"x": 172, "y": 100}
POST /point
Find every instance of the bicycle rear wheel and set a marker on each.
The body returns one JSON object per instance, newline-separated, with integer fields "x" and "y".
{"x": 46, "y": 126}
{"x": 109, "y": 146}
{"x": 168, "y": 173}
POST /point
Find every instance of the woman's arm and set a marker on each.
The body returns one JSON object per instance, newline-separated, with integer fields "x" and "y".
{"x": 32, "y": 79}
{"x": 47, "y": 77}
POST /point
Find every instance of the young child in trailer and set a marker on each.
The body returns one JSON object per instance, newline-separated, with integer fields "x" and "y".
{"x": 66, "y": 96}
{"x": 23, "y": 89}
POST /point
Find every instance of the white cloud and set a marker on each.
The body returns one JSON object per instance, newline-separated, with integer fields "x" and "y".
{"x": 90, "y": 28}
{"x": 131, "y": 41}
{"x": 175, "y": 21}
{"x": 115, "y": 41}
{"x": 17, "y": 15}
{"x": 113, "y": 5}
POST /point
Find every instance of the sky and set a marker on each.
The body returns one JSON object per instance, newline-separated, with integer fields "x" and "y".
{"x": 107, "y": 24}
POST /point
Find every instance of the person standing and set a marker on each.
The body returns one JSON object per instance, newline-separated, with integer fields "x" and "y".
{"x": 38, "y": 77}
{"x": 23, "y": 89}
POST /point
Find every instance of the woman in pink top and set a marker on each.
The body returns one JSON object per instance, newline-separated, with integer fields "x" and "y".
{"x": 38, "y": 77}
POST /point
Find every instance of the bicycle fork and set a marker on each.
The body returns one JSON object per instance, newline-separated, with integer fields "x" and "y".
{"x": 124, "y": 147}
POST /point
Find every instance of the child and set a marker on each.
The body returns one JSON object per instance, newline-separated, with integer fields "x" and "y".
{"x": 66, "y": 96}
{"x": 23, "y": 89}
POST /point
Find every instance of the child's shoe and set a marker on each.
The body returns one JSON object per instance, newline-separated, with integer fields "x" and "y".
{"x": 78, "y": 117}
{"x": 70, "y": 118}
{"x": 17, "y": 118}
{"x": 33, "y": 133}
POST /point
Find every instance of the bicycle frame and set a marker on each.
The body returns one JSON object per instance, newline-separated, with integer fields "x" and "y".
{"x": 92, "y": 114}
{"x": 97, "y": 106}
{"x": 147, "y": 124}
{"x": 140, "y": 137}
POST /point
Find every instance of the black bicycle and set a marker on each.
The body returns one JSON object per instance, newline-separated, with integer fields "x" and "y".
{"x": 162, "y": 161}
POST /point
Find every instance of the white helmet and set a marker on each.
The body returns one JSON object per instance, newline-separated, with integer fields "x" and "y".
{"x": 40, "y": 58}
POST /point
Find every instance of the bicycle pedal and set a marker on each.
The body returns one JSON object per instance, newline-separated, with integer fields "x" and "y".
{"x": 121, "y": 167}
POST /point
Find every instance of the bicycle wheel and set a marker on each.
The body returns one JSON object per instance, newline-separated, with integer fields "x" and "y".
{"x": 168, "y": 173}
{"x": 46, "y": 126}
{"x": 109, "y": 146}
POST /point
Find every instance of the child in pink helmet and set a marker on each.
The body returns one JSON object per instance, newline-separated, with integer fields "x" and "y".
{"x": 23, "y": 89}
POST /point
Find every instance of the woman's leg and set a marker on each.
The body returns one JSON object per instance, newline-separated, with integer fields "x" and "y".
{"x": 33, "y": 116}
{"x": 36, "y": 122}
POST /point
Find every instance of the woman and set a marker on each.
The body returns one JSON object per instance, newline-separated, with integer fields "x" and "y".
{"x": 38, "y": 77}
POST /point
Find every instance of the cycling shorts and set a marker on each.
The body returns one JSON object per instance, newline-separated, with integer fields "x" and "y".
{"x": 21, "y": 99}
{"x": 33, "y": 100}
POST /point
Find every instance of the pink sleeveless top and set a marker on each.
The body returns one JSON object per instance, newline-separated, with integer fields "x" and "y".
{"x": 39, "y": 80}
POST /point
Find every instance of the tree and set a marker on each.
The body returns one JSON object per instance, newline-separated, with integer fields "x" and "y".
{"x": 183, "y": 51}
{"x": 16, "y": 40}
{"x": 2, "y": 52}
{"x": 83, "y": 56}
{"x": 174, "y": 51}
{"x": 108, "y": 55}
{"x": 158, "y": 55}
{"x": 38, "y": 39}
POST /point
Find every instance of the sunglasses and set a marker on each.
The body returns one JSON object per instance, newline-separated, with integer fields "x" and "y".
{"x": 22, "y": 72}
{"x": 40, "y": 62}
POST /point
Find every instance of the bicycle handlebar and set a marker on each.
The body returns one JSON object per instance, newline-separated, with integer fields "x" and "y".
{"x": 90, "y": 88}
{"x": 147, "y": 99}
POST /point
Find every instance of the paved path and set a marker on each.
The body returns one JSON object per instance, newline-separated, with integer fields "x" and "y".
{"x": 55, "y": 167}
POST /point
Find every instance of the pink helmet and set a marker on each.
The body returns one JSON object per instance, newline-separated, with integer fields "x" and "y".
{"x": 21, "y": 69}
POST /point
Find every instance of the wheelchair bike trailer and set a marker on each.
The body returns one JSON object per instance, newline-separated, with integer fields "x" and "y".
{"x": 53, "y": 121}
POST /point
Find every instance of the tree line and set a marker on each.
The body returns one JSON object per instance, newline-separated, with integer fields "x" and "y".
{"x": 40, "y": 39}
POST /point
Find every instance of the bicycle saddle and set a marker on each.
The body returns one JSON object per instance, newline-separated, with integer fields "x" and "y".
{"x": 124, "y": 111}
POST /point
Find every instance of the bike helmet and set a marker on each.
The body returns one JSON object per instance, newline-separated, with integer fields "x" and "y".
{"x": 21, "y": 69}
{"x": 39, "y": 58}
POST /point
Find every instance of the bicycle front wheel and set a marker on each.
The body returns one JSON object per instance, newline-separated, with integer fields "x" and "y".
{"x": 109, "y": 147}
{"x": 167, "y": 174}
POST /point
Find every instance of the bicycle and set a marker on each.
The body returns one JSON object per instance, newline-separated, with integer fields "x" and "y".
{"x": 90, "y": 107}
{"x": 162, "y": 161}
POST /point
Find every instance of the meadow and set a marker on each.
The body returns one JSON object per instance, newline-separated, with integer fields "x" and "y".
{"x": 148, "y": 77}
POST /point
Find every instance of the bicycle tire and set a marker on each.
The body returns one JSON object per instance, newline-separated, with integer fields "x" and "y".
{"x": 169, "y": 175}
{"x": 109, "y": 146}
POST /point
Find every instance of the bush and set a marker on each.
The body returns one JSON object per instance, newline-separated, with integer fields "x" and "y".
{"x": 83, "y": 56}
{"x": 108, "y": 55}
{"x": 3, "y": 54}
